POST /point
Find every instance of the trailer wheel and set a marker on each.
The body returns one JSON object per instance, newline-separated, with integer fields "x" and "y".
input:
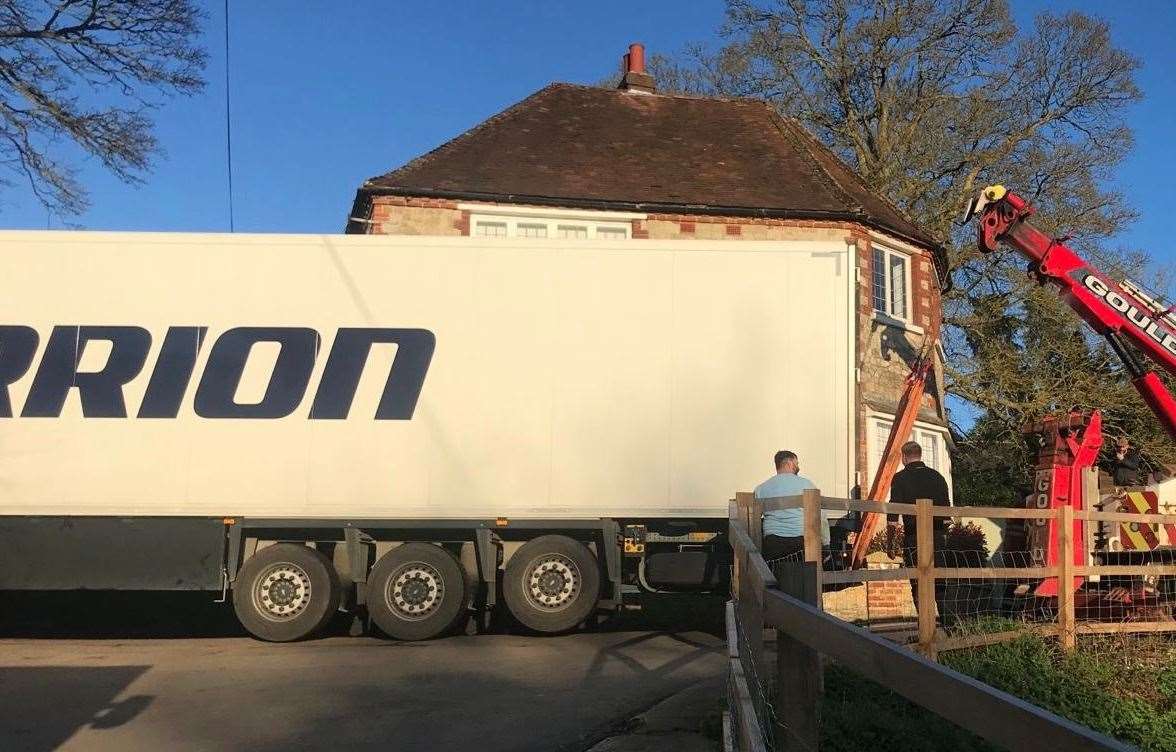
{"x": 286, "y": 592}
{"x": 416, "y": 591}
{"x": 552, "y": 584}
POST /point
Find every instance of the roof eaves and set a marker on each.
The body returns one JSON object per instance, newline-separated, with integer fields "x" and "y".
{"x": 651, "y": 207}
{"x": 938, "y": 251}
{"x": 813, "y": 142}
{"x": 616, "y": 205}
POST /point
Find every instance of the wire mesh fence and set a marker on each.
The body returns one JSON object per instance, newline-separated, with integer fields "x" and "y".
{"x": 977, "y": 592}
{"x": 758, "y": 681}
{"x": 988, "y": 604}
{"x": 775, "y": 732}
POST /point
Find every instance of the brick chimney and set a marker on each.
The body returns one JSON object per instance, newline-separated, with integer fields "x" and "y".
{"x": 635, "y": 79}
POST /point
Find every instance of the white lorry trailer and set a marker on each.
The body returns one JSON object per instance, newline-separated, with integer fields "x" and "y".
{"x": 409, "y": 427}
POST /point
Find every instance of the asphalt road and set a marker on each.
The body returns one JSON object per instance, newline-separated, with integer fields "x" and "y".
{"x": 209, "y": 689}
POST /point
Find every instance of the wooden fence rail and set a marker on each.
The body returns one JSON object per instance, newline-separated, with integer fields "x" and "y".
{"x": 926, "y": 572}
{"x": 789, "y": 601}
{"x": 985, "y": 711}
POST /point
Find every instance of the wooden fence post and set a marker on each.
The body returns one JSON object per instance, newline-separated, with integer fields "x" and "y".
{"x": 751, "y": 599}
{"x": 751, "y": 511}
{"x": 743, "y": 500}
{"x": 925, "y": 560}
{"x": 813, "y": 551}
{"x": 753, "y": 629}
{"x": 733, "y": 514}
{"x": 798, "y": 670}
{"x": 755, "y": 519}
{"x": 1066, "y": 633}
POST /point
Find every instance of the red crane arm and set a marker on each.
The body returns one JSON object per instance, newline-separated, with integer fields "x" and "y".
{"x": 1118, "y": 311}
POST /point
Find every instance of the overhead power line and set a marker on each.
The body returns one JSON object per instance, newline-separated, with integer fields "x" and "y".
{"x": 228, "y": 120}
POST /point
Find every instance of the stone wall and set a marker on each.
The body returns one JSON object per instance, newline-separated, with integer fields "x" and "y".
{"x": 397, "y": 215}
{"x": 873, "y": 602}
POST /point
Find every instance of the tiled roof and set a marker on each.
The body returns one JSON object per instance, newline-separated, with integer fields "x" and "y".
{"x": 593, "y": 147}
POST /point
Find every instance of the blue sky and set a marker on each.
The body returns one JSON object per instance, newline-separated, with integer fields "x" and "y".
{"x": 338, "y": 92}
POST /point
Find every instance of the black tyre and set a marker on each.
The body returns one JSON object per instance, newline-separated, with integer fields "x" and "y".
{"x": 552, "y": 584}
{"x": 286, "y": 592}
{"x": 417, "y": 591}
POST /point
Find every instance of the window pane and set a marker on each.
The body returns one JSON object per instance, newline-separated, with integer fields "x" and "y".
{"x": 490, "y": 229}
{"x": 532, "y": 231}
{"x": 575, "y": 232}
{"x": 611, "y": 233}
{"x": 929, "y": 441}
{"x": 879, "y": 275}
{"x": 898, "y": 304}
{"x": 930, "y": 444}
{"x": 882, "y": 434}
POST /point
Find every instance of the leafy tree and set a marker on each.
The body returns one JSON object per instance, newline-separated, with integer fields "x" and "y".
{"x": 88, "y": 72}
{"x": 930, "y": 100}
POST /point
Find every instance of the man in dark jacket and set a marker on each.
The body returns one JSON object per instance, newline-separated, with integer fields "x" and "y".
{"x": 917, "y": 481}
{"x": 1125, "y": 465}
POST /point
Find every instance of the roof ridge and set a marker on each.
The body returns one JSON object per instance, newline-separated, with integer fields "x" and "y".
{"x": 493, "y": 119}
{"x": 852, "y": 172}
{"x": 791, "y": 134}
{"x": 664, "y": 95}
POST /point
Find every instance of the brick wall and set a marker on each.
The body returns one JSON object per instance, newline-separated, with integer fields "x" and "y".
{"x": 886, "y": 351}
{"x": 398, "y": 215}
{"x": 889, "y": 600}
{"x": 703, "y": 227}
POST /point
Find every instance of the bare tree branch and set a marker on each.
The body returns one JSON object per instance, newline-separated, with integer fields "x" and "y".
{"x": 930, "y": 100}
{"x": 65, "y": 65}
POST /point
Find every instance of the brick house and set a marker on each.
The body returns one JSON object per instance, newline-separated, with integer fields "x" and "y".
{"x": 575, "y": 161}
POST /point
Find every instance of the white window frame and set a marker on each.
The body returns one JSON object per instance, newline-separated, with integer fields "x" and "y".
{"x": 921, "y": 429}
{"x": 553, "y": 224}
{"x": 593, "y": 221}
{"x": 906, "y": 318}
{"x": 484, "y": 222}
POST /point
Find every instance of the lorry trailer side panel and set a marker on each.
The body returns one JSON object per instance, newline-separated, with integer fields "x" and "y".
{"x": 280, "y": 376}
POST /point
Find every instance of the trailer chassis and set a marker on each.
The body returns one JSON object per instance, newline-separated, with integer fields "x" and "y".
{"x": 360, "y": 535}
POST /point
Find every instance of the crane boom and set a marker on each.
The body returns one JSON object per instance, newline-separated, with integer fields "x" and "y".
{"x": 1121, "y": 312}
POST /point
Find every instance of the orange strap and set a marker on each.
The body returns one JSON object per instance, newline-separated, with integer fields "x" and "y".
{"x": 908, "y": 410}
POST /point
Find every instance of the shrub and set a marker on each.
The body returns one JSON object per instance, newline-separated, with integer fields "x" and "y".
{"x": 1086, "y": 687}
{"x": 966, "y": 537}
{"x": 960, "y": 537}
{"x": 881, "y": 542}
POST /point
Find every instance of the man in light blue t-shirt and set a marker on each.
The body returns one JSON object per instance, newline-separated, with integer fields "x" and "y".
{"x": 784, "y": 528}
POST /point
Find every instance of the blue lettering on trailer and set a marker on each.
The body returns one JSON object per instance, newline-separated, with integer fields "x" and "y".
{"x": 101, "y": 392}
